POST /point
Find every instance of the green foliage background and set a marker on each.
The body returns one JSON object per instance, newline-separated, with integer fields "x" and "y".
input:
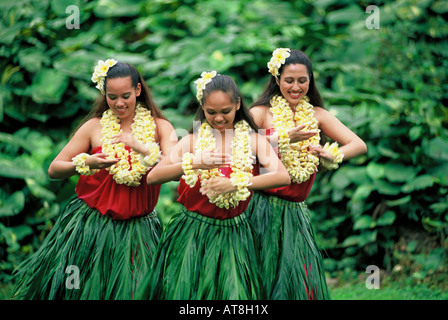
{"x": 389, "y": 85}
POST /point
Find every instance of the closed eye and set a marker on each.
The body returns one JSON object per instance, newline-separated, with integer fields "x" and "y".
{"x": 224, "y": 111}
{"x": 113, "y": 97}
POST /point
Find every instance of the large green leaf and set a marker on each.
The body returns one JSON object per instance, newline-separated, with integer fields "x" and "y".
{"x": 362, "y": 192}
{"x": 19, "y": 169}
{"x": 419, "y": 183}
{"x": 387, "y": 218}
{"x": 360, "y": 240}
{"x": 437, "y": 148}
{"x": 375, "y": 170}
{"x": 396, "y": 172}
{"x": 49, "y": 86}
{"x": 345, "y": 15}
{"x": 32, "y": 59}
{"x": 117, "y": 8}
{"x": 12, "y": 205}
{"x": 386, "y": 188}
{"x": 364, "y": 222}
{"x": 38, "y": 191}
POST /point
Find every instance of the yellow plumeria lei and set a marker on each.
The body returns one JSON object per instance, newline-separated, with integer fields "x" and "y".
{"x": 297, "y": 159}
{"x": 100, "y": 73}
{"x": 278, "y": 58}
{"x": 206, "y": 77}
{"x": 241, "y": 164}
{"x": 143, "y": 129}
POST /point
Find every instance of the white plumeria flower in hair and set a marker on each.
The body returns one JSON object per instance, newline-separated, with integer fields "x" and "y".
{"x": 100, "y": 73}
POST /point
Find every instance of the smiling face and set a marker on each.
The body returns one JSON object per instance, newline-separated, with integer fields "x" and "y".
{"x": 219, "y": 110}
{"x": 121, "y": 96}
{"x": 294, "y": 83}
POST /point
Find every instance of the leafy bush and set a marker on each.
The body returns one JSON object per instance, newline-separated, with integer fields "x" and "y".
{"x": 394, "y": 76}
{"x": 388, "y": 85}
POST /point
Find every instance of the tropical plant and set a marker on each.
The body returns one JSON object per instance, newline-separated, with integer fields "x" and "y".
{"x": 388, "y": 85}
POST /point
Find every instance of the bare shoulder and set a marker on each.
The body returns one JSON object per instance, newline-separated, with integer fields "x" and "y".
{"x": 89, "y": 126}
{"x": 322, "y": 114}
{"x": 163, "y": 124}
{"x": 319, "y": 111}
{"x": 261, "y": 115}
{"x": 259, "y": 110}
{"x": 94, "y": 122}
{"x": 164, "y": 130}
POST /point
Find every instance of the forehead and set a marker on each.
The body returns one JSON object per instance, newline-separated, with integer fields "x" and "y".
{"x": 218, "y": 99}
{"x": 295, "y": 71}
{"x": 118, "y": 85}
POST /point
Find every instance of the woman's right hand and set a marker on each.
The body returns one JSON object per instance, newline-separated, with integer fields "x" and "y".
{"x": 99, "y": 161}
{"x": 211, "y": 160}
{"x": 297, "y": 134}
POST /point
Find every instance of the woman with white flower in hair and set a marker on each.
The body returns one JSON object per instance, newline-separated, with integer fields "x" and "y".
{"x": 208, "y": 251}
{"x": 291, "y": 110}
{"x": 108, "y": 233}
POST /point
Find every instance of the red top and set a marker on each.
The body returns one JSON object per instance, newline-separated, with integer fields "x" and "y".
{"x": 119, "y": 201}
{"x": 194, "y": 201}
{"x": 295, "y": 192}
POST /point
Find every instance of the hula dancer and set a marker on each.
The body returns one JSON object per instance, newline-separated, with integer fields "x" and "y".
{"x": 208, "y": 250}
{"x": 107, "y": 235}
{"x": 291, "y": 110}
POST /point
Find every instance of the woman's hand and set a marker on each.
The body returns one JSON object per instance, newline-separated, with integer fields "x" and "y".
{"x": 211, "y": 160}
{"x": 129, "y": 140}
{"x": 217, "y": 186}
{"x": 99, "y": 161}
{"x": 319, "y": 151}
{"x": 297, "y": 134}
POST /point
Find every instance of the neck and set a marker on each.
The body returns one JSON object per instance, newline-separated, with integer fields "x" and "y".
{"x": 126, "y": 123}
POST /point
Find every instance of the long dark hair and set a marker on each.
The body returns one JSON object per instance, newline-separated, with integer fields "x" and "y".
{"x": 272, "y": 88}
{"x": 227, "y": 85}
{"x": 122, "y": 70}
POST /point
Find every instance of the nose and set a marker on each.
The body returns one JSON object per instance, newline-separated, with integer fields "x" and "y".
{"x": 218, "y": 118}
{"x": 295, "y": 86}
{"x": 119, "y": 102}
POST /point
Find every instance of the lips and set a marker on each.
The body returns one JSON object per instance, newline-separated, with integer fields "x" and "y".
{"x": 295, "y": 95}
{"x": 120, "y": 110}
{"x": 219, "y": 125}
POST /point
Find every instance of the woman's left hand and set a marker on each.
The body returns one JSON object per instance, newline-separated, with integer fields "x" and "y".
{"x": 217, "y": 186}
{"x": 319, "y": 151}
{"x": 129, "y": 140}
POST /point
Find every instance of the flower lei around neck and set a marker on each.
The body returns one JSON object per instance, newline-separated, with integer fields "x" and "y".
{"x": 241, "y": 164}
{"x": 297, "y": 159}
{"x": 143, "y": 129}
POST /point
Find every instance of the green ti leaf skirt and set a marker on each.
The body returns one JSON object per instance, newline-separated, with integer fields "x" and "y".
{"x": 201, "y": 258}
{"x": 89, "y": 256}
{"x": 291, "y": 265}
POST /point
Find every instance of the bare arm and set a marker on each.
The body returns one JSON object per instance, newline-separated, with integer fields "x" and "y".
{"x": 62, "y": 166}
{"x": 273, "y": 174}
{"x": 352, "y": 145}
{"x": 170, "y": 167}
{"x": 167, "y": 136}
{"x": 263, "y": 118}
